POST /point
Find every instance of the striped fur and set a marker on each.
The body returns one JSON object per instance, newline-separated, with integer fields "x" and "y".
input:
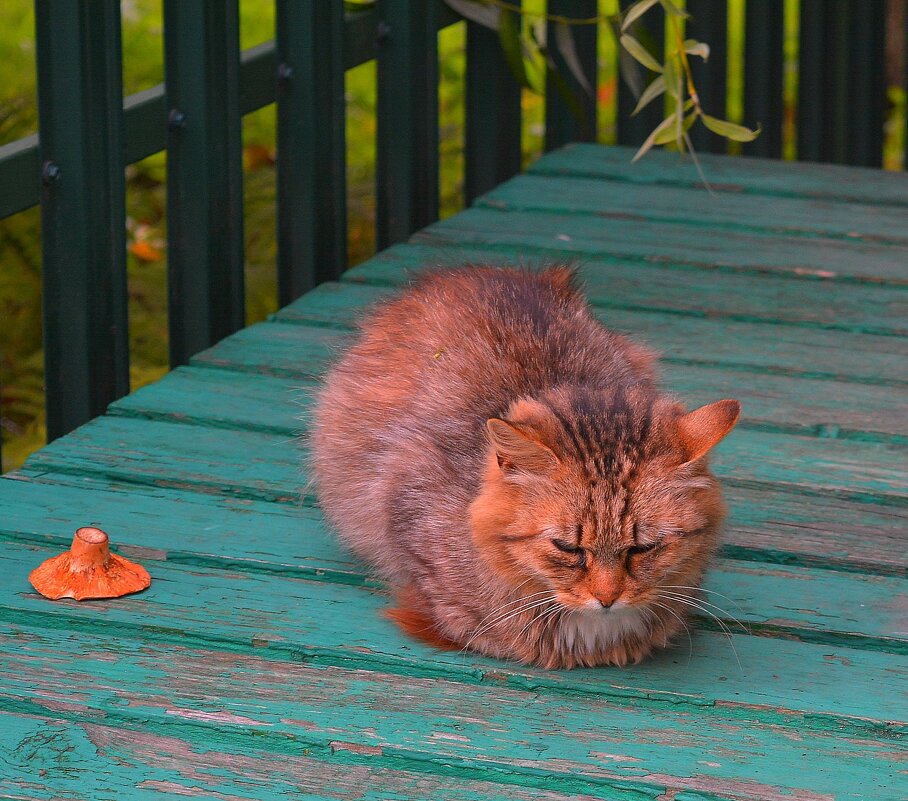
{"x": 509, "y": 465}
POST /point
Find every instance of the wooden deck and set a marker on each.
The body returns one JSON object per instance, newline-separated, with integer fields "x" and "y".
{"x": 258, "y": 664}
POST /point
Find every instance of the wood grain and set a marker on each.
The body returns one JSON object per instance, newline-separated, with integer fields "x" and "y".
{"x": 515, "y": 736}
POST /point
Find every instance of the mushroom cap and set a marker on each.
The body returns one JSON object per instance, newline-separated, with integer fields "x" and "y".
{"x": 88, "y": 570}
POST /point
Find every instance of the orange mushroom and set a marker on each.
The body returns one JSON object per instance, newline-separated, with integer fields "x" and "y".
{"x": 88, "y": 570}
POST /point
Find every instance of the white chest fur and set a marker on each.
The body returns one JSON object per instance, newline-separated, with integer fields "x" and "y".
{"x": 586, "y": 631}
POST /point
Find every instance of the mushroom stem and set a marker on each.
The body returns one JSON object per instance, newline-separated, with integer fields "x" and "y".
{"x": 90, "y": 549}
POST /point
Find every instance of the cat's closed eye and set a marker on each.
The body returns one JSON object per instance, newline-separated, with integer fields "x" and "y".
{"x": 635, "y": 550}
{"x": 573, "y": 550}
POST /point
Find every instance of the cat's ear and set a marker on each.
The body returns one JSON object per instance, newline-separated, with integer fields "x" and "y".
{"x": 518, "y": 450}
{"x": 703, "y": 428}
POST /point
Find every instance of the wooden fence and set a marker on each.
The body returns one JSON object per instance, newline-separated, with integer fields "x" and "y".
{"x": 89, "y": 133}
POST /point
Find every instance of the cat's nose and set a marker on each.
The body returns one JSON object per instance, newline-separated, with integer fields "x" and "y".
{"x": 606, "y": 604}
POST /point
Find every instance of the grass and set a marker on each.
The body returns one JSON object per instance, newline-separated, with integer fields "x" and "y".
{"x": 21, "y": 360}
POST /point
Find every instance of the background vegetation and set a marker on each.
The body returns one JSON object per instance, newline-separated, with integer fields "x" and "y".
{"x": 21, "y": 362}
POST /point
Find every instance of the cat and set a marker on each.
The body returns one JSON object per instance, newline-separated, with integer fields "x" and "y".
{"x": 507, "y": 464}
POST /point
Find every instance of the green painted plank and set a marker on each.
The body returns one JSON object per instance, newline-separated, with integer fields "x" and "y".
{"x": 216, "y": 533}
{"x": 276, "y": 350}
{"x": 179, "y": 527}
{"x": 793, "y": 682}
{"x": 268, "y": 467}
{"x": 582, "y": 235}
{"x": 242, "y": 464}
{"x": 773, "y": 403}
{"x": 270, "y": 405}
{"x": 764, "y": 525}
{"x": 710, "y": 213}
{"x": 600, "y": 746}
{"x": 752, "y": 175}
{"x": 613, "y": 283}
{"x": 681, "y": 341}
{"x": 57, "y": 755}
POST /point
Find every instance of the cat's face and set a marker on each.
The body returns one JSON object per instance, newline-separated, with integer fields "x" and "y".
{"x": 603, "y": 513}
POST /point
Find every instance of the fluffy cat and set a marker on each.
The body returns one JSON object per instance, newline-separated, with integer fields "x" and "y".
{"x": 508, "y": 465}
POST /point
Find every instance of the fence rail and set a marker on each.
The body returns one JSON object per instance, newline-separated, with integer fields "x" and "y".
{"x": 89, "y": 133}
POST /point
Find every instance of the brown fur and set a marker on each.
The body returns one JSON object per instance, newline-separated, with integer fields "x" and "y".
{"x": 482, "y": 423}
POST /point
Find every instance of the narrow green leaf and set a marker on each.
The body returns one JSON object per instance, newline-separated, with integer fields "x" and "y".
{"x": 628, "y": 68}
{"x": 540, "y": 32}
{"x": 658, "y": 131}
{"x": 509, "y": 36}
{"x": 669, "y": 134}
{"x": 639, "y": 52}
{"x": 656, "y": 88}
{"x": 635, "y": 12}
{"x": 565, "y": 41}
{"x": 730, "y": 130}
{"x": 695, "y": 48}
{"x": 481, "y": 13}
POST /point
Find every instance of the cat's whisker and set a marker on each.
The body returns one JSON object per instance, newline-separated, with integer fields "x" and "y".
{"x": 683, "y": 596}
{"x": 539, "y": 619}
{"x": 650, "y": 617}
{"x": 722, "y": 625}
{"x": 694, "y": 604}
{"x": 500, "y": 608}
{"x": 508, "y": 615}
{"x": 701, "y": 589}
{"x": 501, "y": 621}
{"x": 680, "y": 619}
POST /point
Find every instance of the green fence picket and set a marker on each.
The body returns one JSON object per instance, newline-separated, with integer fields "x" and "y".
{"x": 763, "y": 38}
{"x": 841, "y": 107}
{"x": 204, "y": 174}
{"x": 311, "y": 146}
{"x": 86, "y": 347}
{"x": 709, "y": 23}
{"x": 492, "y": 114}
{"x": 571, "y": 121}
{"x": 407, "y": 143}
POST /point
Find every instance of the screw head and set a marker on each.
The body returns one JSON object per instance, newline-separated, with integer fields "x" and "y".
{"x": 176, "y": 120}
{"x": 50, "y": 173}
